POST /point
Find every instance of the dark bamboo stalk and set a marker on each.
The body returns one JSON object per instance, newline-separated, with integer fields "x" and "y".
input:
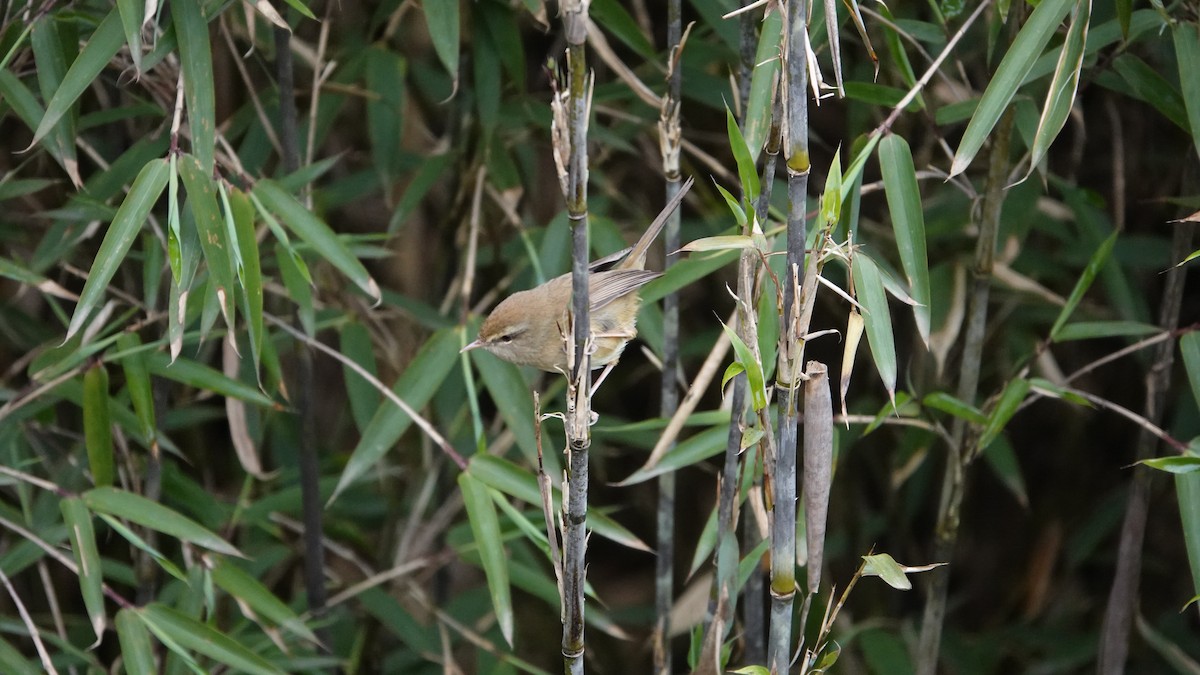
{"x": 578, "y": 418}
{"x": 783, "y": 523}
{"x": 946, "y": 534}
{"x": 669, "y": 143}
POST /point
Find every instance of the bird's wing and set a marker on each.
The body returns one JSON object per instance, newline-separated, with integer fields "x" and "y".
{"x": 608, "y": 286}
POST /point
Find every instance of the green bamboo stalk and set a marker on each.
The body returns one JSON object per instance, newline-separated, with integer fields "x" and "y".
{"x": 670, "y": 146}
{"x": 783, "y": 523}
{"x": 946, "y": 533}
{"x": 578, "y": 422}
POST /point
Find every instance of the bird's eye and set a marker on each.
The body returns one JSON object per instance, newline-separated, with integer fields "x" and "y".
{"x": 507, "y": 338}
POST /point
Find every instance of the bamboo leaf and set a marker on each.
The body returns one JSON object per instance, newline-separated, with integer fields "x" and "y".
{"x": 1010, "y": 400}
{"x": 241, "y": 211}
{"x": 1095, "y": 264}
{"x": 908, "y": 222}
{"x": 252, "y": 594}
{"x": 137, "y": 509}
{"x": 485, "y": 529}
{"x": 87, "y": 559}
{"x": 763, "y": 82}
{"x": 1063, "y": 86}
{"x": 1189, "y": 349}
{"x": 205, "y": 378}
{"x": 214, "y": 239}
{"x": 1186, "y": 36}
{"x": 747, "y": 173}
{"x": 92, "y": 60}
{"x": 131, "y": 23}
{"x": 316, "y": 233}
{"x": 755, "y": 379}
{"x": 443, "y": 21}
{"x": 1187, "y": 489}
{"x": 121, "y": 234}
{"x": 137, "y": 653}
{"x": 1017, "y": 61}
{"x": 97, "y": 425}
{"x": 877, "y": 320}
{"x": 512, "y": 398}
{"x": 189, "y": 634}
{"x": 417, "y": 385}
{"x": 195, "y": 61}
{"x": 51, "y": 67}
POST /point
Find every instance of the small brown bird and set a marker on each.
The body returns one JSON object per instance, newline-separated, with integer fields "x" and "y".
{"x": 527, "y": 327}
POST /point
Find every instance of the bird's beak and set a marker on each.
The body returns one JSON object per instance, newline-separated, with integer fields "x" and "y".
{"x": 474, "y": 345}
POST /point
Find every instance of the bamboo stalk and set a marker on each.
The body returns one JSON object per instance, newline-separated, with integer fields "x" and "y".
{"x": 946, "y": 534}
{"x": 783, "y": 522}
{"x": 669, "y": 144}
{"x": 578, "y": 418}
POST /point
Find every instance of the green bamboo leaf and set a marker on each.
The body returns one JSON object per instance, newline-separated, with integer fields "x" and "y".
{"x": 97, "y": 425}
{"x": 885, "y": 567}
{"x": 241, "y": 210}
{"x": 1002, "y": 460}
{"x": 1063, "y": 86}
{"x": 11, "y": 661}
{"x": 868, "y": 288}
{"x": 293, "y": 271}
{"x": 763, "y": 80}
{"x": 170, "y": 624}
{"x": 141, "y": 544}
{"x": 137, "y": 653}
{"x": 51, "y": 68}
{"x": 695, "y": 449}
{"x": 1189, "y": 349}
{"x": 899, "y": 55}
{"x": 251, "y": 593}
{"x": 218, "y": 247}
{"x": 853, "y": 173}
{"x": 386, "y": 71}
{"x": 442, "y": 19}
{"x": 121, "y": 233}
{"x": 417, "y": 385}
{"x": 735, "y": 208}
{"x": 204, "y": 378}
{"x": 753, "y": 369}
{"x": 1017, "y": 61}
{"x": 1186, "y": 36}
{"x": 908, "y": 222}
{"x": 364, "y": 398}
{"x": 831, "y": 197}
{"x": 96, "y": 54}
{"x": 1010, "y": 400}
{"x": 940, "y": 400}
{"x": 195, "y": 60}
{"x": 512, "y": 397}
{"x": 747, "y": 173}
{"x": 137, "y": 509}
{"x": 1148, "y": 84}
{"x": 131, "y": 22}
{"x": 316, "y": 233}
{"x": 302, "y": 8}
{"x": 1175, "y": 465}
{"x": 615, "y": 19}
{"x": 517, "y": 482}
{"x": 87, "y": 559}
{"x": 485, "y": 528}
{"x": 1187, "y": 490}
{"x": 1095, "y": 264}
{"x": 1086, "y": 330}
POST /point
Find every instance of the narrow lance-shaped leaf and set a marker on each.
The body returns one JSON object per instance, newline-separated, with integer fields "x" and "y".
{"x": 1186, "y": 36}
{"x": 121, "y": 234}
{"x": 173, "y": 626}
{"x": 868, "y": 288}
{"x": 137, "y": 654}
{"x": 1095, "y": 264}
{"x": 854, "y": 332}
{"x": 214, "y": 236}
{"x": 51, "y": 67}
{"x": 196, "y": 64}
{"x": 443, "y": 22}
{"x": 763, "y": 82}
{"x": 241, "y": 211}
{"x": 316, "y": 234}
{"x": 908, "y": 222}
{"x": 1020, "y": 57}
{"x": 92, "y": 60}
{"x": 155, "y": 516}
{"x": 131, "y": 22}
{"x": 250, "y": 593}
{"x": 97, "y": 425}
{"x": 742, "y": 154}
{"x": 1063, "y": 85}
{"x": 1187, "y": 489}
{"x": 485, "y": 529}
{"x": 87, "y": 558}
{"x": 1010, "y": 400}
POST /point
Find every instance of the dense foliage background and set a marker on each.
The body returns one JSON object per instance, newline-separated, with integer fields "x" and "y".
{"x": 221, "y": 239}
